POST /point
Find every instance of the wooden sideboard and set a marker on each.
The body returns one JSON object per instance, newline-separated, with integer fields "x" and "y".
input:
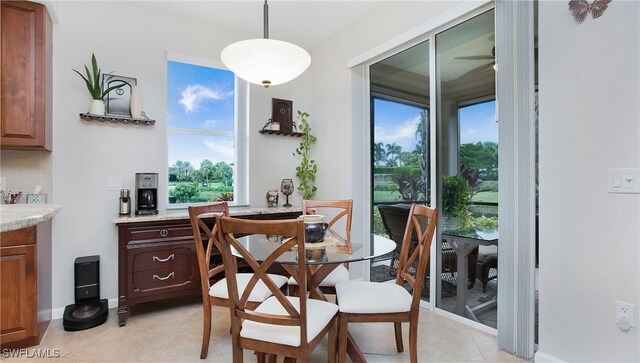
{"x": 157, "y": 258}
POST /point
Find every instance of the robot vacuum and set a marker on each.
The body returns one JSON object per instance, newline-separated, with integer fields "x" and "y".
{"x": 89, "y": 310}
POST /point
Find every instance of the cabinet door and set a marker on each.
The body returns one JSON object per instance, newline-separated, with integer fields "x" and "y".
{"x": 23, "y": 108}
{"x": 18, "y": 293}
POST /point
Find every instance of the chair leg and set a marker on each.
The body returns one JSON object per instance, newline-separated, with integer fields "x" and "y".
{"x": 289, "y": 360}
{"x": 413, "y": 340}
{"x": 206, "y": 332}
{"x": 342, "y": 338}
{"x": 333, "y": 342}
{"x": 237, "y": 351}
{"x": 272, "y": 358}
{"x": 260, "y": 357}
{"x": 397, "y": 327}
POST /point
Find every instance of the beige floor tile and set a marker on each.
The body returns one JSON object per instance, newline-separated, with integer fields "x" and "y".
{"x": 115, "y": 345}
{"x": 172, "y": 332}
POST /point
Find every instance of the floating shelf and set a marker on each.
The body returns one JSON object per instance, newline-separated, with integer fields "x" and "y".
{"x": 284, "y": 133}
{"x": 124, "y": 120}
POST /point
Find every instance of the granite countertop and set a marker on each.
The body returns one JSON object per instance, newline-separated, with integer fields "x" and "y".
{"x": 18, "y": 216}
{"x": 184, "y": 214}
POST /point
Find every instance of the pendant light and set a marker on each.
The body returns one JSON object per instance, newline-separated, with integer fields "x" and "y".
{"x": 265, "y": 61}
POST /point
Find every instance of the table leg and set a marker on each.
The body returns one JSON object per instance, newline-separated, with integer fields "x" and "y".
{"x": 462, "y": 250}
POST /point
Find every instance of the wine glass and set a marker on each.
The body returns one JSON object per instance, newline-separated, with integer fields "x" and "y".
{"x": 286, "y": 188}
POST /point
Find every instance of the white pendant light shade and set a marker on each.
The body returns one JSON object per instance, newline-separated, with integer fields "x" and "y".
{"x": 265, "y": 61}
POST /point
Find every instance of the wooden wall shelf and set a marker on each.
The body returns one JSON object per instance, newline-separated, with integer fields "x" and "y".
{"x": 124, "y": 120}
{"x": 284, "y": 133}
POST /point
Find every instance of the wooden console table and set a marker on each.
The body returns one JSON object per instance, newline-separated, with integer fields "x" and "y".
{"x": 157, "y": 256}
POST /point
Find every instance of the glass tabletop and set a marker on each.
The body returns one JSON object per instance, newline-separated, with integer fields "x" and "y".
{"x": 485, "y": 234}
{"x": 333, "y": 250}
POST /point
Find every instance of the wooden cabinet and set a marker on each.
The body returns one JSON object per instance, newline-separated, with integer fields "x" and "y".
{"x": 23, "y": 298}
{"x": 25, "y": 76}
{"x": 157, "y": 260}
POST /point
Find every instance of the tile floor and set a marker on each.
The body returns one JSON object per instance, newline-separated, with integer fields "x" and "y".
{"x": 171, "y": 331}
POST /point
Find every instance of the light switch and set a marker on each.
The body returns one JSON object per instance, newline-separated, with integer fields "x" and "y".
{"x": 624, "y": 180}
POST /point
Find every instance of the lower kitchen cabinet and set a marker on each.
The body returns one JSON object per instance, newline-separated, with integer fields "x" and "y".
{"x": 25, "y": 296}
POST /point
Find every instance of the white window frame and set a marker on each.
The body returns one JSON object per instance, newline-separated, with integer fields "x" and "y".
{"x": 240, "y": 137}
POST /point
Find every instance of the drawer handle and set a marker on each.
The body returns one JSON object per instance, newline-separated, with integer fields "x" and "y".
{"x": 156, "y": 277}
{"x": 171, "y": 257}
{"x": 164, "y": 233}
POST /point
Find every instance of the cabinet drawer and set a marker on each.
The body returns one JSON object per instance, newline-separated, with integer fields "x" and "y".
{"x": 163, "y": 257}
{"x": 155, "y": 233}
{"x": 163, "y": 280}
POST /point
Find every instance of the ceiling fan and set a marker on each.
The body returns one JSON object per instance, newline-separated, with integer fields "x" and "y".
{"x": 484, "y": 67}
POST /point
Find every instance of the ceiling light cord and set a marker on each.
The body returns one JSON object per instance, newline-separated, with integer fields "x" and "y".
{"x": 265, "y": 21}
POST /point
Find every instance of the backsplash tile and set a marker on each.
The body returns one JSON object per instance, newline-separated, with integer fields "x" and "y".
{"x": 23, "y": 170}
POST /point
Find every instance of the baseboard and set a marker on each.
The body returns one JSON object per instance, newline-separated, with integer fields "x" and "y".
{"x": 58, "y": 312}
{"x": 543, "y": 357}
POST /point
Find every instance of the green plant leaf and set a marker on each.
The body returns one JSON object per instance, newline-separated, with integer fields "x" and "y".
{"x": 106, "y": 92}
{"x": 94, "y": 65}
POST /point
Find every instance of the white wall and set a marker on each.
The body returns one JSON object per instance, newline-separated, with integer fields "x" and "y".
{"x": 132, "y": 40}
{"x": 589, "y": 239}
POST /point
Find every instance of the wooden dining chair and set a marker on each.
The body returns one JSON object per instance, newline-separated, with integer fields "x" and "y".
{"x": 281, "y": 325}
{"x": 362, "y": 301}
{"x": 217, "y": 294}
{"x": 344, "y": 210}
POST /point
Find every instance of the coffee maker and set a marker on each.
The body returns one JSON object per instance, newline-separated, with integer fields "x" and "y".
{"x": 146, "y": 193}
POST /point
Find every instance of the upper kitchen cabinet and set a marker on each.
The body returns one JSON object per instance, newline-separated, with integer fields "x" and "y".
{"x": 26, "y": 76}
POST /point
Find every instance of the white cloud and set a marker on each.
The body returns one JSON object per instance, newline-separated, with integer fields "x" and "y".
{"x": 222, "y": 150}
{"x": 193, "y": 94}
{"x": 210, "y": 124}
{"x": 403, "y": 134}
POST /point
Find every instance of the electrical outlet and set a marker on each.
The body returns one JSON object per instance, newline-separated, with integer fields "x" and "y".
{"x": 625, "y": 316}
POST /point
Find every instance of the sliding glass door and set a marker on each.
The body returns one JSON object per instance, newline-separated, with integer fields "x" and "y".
{"x": 407, "y": 105}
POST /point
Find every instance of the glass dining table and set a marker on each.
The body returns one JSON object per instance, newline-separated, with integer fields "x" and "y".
{"x": 463, "y": 242}
{"x": 321, "y": 258}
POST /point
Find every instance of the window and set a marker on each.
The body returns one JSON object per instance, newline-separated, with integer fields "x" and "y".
{"x": 479, "y": 147}
{"x": 205, "y": 164}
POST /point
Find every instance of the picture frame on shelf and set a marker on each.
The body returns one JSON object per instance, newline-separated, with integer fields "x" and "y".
{"x": 282, "y": 114}
{"x": 117, "y": 102}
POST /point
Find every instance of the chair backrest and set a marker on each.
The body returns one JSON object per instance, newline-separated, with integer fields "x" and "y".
{"x": 422, "y": 221}
{"x": 344, "y": 206}
{"x": 394, "y": 219}
{"x": 200, "y": 228}
{"x": 293, "y": 230}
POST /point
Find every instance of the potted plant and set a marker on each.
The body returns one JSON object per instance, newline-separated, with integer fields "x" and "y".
{"x": 456, "y": 197}
{"x": 306, "y": 171}
{"x": 95, "y": 85}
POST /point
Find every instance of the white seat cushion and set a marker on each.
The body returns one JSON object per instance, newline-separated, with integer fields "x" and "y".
{"x": 485, "y": 251}
{"x": 365, "y": 297}
{"x": 319, "y": 314}
{"x": 259, "y": 293}
{"x": 339, "y": 274}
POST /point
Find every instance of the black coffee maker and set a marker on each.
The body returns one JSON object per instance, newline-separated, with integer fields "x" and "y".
{"x": 146, "y": 193}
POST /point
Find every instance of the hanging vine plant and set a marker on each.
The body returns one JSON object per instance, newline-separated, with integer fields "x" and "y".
{"x": 306, "y": 171}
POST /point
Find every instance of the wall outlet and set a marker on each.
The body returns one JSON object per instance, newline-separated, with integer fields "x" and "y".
{"x": 625, "y": 316}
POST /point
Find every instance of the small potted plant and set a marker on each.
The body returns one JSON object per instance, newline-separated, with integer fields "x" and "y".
{"x": 95, "y": 87}
{"x": 456, "y": 197}
{"x": 306, "y": 171}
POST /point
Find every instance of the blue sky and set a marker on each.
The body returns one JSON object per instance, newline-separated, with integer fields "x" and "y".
{"x": 199, "y": 98}
{"x": 478, "y": 123}
{"x": 396, "y": 122}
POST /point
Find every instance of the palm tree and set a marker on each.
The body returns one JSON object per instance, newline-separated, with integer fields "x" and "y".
{"x": 184, "y": 169}
{"x": 393, "y": 154}
{"x": 378, "y": 153}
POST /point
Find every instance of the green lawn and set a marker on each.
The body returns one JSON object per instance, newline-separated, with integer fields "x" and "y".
{"x": 487, "y": 197}
{"x": 380, "y": 196}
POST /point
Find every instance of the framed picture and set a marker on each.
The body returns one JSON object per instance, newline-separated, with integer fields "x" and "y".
{"x": 117, "y": 102}
{"x": 282, "y": 112}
